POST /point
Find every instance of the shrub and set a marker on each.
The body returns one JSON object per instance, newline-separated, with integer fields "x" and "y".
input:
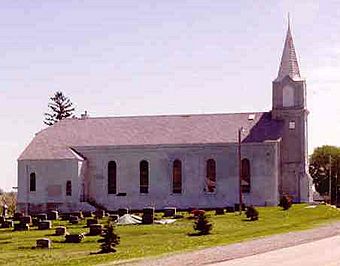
{"x": 252, "y": 213}
{"x": 286, "y": 202}
{"x": 202, "y": 225}
{"x": 109, "y": 239}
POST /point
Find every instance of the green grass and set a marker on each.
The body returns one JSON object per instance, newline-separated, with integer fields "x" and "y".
{"x": 150, "y": 240}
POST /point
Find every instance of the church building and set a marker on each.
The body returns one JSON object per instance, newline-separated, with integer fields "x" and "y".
{"x": 183, "y": 161}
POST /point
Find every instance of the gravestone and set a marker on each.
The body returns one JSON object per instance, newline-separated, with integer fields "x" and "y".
{"x": 52, "y": 215}
{"x": 99, "y": 214}
{"x": 148, "y": 215}
{"x": 96, "y": 229}
{"x": 43, "y": 243}
{"x": 7, "y": 224}
{"x": 87, "y": 214}
{"x": 35, "y": 221}
{"x": 74, "y": 238}
{"x": 42, "y": 216}
{"x": 230, "y": 209}
{"x": 60, "y": 231}
{"x": 73, "y": 219}
{"x": 169, "y": 212}
{"x": 21, "y": 227}
{"x": 27, "y": 219}
{"x": 78, "y": 214}
{"x": 114, "y": 217}
{"x": 123, "y": 211}
{"x": 44, "y": 225}
{"x": 91, "y": 221}
{"x": 219, "y": 211}
{"x": 17, "y": 216}
{"x": 65, "y": 216}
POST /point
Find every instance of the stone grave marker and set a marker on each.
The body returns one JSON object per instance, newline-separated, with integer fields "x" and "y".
{"x": 91, "y": 221}
{"x": 148, "y": 215}
{"x": 219, "y": 211}
{"x": 96, "y": 229}
{"x": 60, "y": 231}
{"x": 44, "y": 225}
{"x": 52, "y": 215}
{"x": 169, "y": 212}
{"x": 43, "y": 243}
{"x": 74, "y": 238}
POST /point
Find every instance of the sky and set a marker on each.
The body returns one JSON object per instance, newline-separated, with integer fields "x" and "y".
{"x": 138, "y": 57}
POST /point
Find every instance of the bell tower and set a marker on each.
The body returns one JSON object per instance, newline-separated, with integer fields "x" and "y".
{"x": 289, "y": 106}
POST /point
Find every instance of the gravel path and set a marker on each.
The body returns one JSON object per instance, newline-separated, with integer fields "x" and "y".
{"x": 239, "y": 250}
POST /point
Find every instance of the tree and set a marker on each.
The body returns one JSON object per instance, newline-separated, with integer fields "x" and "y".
{"x": 109, "y": 239}
{"x": 60, "y": 106}
{"x": 323, "y": 161}
{"x": 202, "y": 225}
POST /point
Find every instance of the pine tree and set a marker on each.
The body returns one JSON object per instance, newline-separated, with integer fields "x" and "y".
{"x": 61, "y": 107}
{"x": 109, "y": 240}
{"x": 202, "y": 225}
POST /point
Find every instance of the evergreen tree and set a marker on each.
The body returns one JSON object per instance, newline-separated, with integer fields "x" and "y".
{"x": 60, "y": 106}
{"x": 202, "y": 225}
{"x": 109, "y": 240}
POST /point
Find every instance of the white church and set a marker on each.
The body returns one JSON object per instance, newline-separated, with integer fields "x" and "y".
{"x": 183, "y": 161}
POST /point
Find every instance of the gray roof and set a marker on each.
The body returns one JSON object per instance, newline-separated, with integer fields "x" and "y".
{"x": 55, "y": 141}
{"x": 289, "y": 64}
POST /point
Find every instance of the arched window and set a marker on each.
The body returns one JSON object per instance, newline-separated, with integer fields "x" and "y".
{"x": 288, "y": 96}
{"x": 112, "y": 178}
{"x": 177, "y": 177}
{"x": 245, "y": 182}
{"x": 211, "y": 176}
{"x": 144, "y": 176}
{"x": 68, "y": 188}
{"x": 32, "y": 182}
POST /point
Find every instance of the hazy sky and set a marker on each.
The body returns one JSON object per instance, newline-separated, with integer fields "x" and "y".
{"x": 160, "y": 57}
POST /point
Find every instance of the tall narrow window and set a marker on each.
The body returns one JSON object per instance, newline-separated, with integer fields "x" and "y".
{"x": 32, "y": 182}
{"x": 68, "y": 188}
{"x": 211, "y": 176}
{"x": 177, "y": 177}
{"x": 112, "y": 178}
{"x": 144, "y": 176}
{"x": 245, "y": 182}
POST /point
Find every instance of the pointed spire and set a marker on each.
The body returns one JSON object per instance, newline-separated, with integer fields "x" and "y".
{"x": 289, "y": 65}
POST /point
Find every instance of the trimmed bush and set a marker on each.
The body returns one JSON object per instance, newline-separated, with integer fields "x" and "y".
{"x": 109, "y": 240}
{"x": 286, "y": 202}
{"x": 202, "y": 225}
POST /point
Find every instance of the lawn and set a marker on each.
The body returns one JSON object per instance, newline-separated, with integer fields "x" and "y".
{"x": 150, "y": 240}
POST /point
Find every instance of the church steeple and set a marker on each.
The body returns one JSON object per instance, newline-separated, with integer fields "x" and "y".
{"x": 289, "y": 64}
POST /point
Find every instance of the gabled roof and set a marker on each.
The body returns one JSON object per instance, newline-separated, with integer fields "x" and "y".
{"x": 55, "y": 141}
{"x": 289, "y": 64}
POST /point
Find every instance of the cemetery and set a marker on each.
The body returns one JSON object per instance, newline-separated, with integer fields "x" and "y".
{"x": 72, "y": 238}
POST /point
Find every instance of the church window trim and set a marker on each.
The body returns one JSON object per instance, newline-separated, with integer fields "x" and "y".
{"x": 68, "y": 188}
{"x": 177, "y": 177}
{"x": 210, "y": 176}
{"x": 112, "y": 177}
{"x": 144, "y": 171}
{"x": 33, "y": 182}
{"x": 245, "y": 176}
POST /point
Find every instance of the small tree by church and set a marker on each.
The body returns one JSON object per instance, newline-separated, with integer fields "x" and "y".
{"x": 60, "y": 107}
{"x": 109, "y": 239}
{"x": 202, "y": 225}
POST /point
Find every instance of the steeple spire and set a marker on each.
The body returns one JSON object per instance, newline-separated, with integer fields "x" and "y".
{"x": 289, "y": 65}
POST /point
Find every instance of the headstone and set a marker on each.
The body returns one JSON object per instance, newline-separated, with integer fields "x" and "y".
{"x": 7, "y": 224}
{"x": 169, "y": 212}
{"x": 96, "y": 229}
{"x": 27, "y": 219}
{"x": 99, "y": 214}
{"x": 21, "y": 227}
{"x": 237, "y": 207}
{"x": 43, "y": 243}
{"x": 45, "y": 225}
{"x": 17, "y": 216}
{"x": 123, "y": 211}
{"x": 35, "y": 221}
{"x": 148, "y": 215}
{"x": 42, "y": 216}
{"x": 87, "y": 214}
{"x": 74, "y": 238}
{"x": 91, "y": 221}
{"x": 230, "y": 209}
{"x": 114, "y": 217}
{"x": 78, "y": 214}
{"x": 65, "y": 216}
{"x": 219, "y": 211}
{"x": 52, "y": 215}
{"x": 73, "y": 219}
{"x": 60, "y": 231}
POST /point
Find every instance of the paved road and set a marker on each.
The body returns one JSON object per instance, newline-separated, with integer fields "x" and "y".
{"x": 325, "y": 252}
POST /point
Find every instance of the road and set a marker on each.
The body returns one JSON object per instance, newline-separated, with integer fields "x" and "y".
{"x": 324, "y": 252}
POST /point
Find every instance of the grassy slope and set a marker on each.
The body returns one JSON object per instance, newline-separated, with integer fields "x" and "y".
{"x": 148, "y": 240}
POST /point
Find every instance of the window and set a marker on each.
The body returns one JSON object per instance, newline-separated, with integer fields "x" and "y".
{"x": 32, "y": 182}
{"x": 245, "y": 177}
{"x": 211, "y": 176}
{"x": 291, "y": 125}
{"x": 177, "y": 177}
{"x": 144, "y": 176}
{"x": 288, "y": 96}
{"x": 112, "y": 178}
{"x": 68, "y": 188}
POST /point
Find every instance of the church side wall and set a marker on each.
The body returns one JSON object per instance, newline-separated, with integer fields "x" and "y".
{"x": 51, "y": 178}
{"x": 264, "y": 159}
